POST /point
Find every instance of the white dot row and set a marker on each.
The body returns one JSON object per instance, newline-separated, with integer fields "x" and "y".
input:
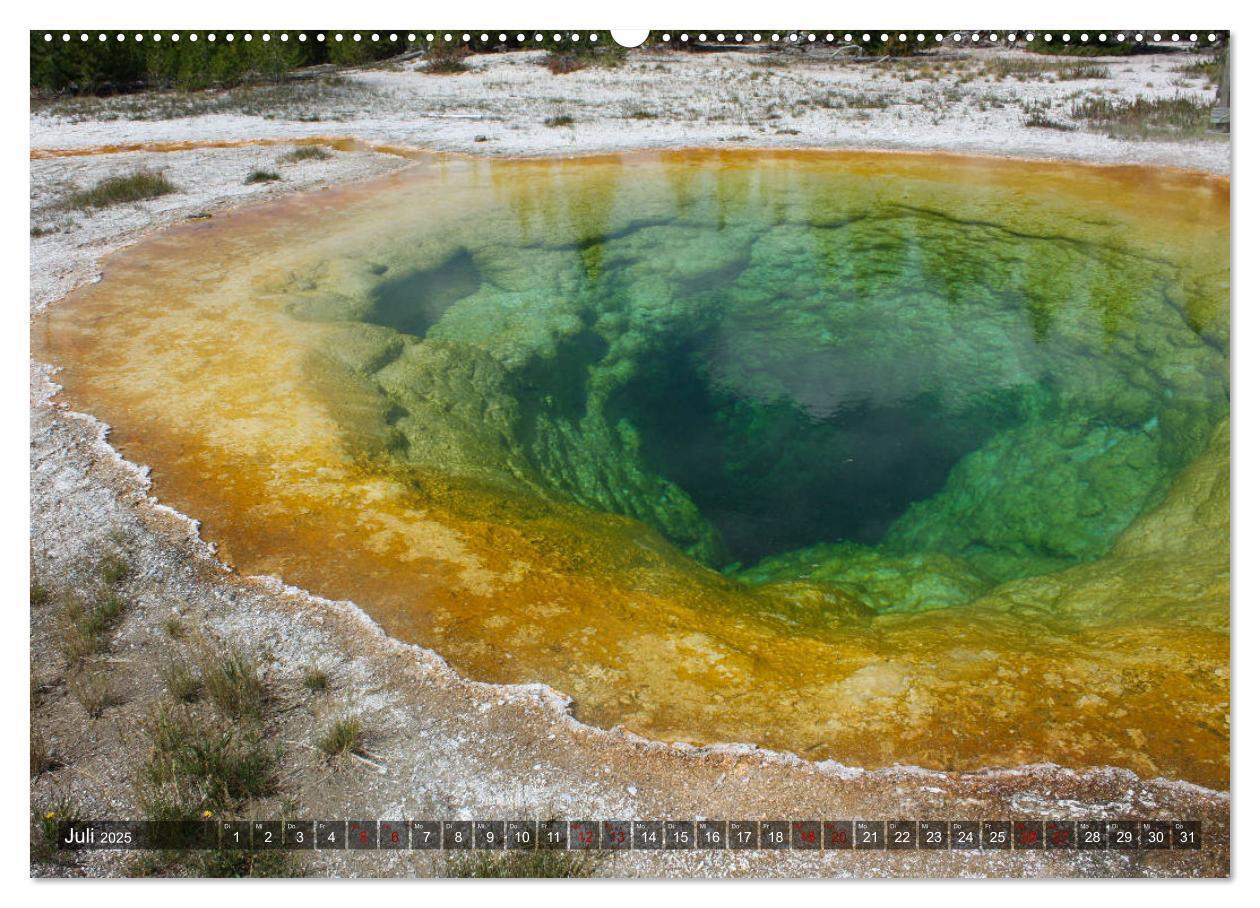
{"x": 922, "y": 38}
{"x": 321, "y": 37}
{"x": 958, "y": 37}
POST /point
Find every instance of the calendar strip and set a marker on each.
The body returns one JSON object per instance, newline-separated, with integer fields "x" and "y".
{"x": 636, "y": 835}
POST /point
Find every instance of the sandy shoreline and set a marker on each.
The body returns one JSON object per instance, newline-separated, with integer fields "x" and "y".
{"x": 440, "y": 745}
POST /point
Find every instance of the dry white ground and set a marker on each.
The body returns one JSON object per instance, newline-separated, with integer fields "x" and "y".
{"x": 438, "y": 745}
{"x": 663, "y": 100}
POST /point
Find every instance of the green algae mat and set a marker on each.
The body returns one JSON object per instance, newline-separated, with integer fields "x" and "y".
{"x": 879, "y": 458}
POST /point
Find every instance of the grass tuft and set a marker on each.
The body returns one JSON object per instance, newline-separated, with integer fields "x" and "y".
{"x": 1038, "y": 119}
{"x": 345, "y": 736}
{"x": 261, "y": 176}
{"x": 217, "y": 864}
{"x": 315, "y": 680}
{"x": 326, "y": 98}
{"x": 94, "y": 691}
{"x": 1023, "y": 69}
{"x": 113, "y": 569}
{"x": 182, "y": 681}
{"x": 83, "y": 630}
{"x": 1142, "y": 117}
{"x": 306, "y": 153}
{"x": 43, "y": 759}
{"x": 232, "y": 683}
{"x": 522, "y": 865}
{"x": 133, "y": 187}
{"x": 559, "y": 120}
{"x": 44, "y": 845}
{"x": 198, "y": 763}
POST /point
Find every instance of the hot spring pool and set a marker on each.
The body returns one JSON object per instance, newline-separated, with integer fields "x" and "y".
{"x": 884, "y": 458}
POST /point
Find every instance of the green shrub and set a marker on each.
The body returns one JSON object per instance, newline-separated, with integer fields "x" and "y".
{"x": 567, "y": 56}
{"x": 1023, "y": 69}
{"x": 444, "y": 59}
{"x": 261, "y": 176}
{"x": 894, "y": 47}
{"x": 348, "y": 52}
{"x": 1092, "y": 48}
{"x": 109, "y": 67}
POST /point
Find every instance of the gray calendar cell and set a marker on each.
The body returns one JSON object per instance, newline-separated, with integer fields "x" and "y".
{"x": 680, "y": 834}
{"x": 806, "y": 835}
{"x": 1122, "y": 835}
{"x": 361, "y": 834}
{"x": 1156, "y": 834}
{"x": 583, "y": 835}
{"x": 330, "y": 834}
{"x": 266, "y": 834}
{"x": 1091, "y": 835}
{"x": 964, "y": 835}
{"x": 553, "y": 835}
{"x": 425, "y": 834}
{"x": 1187, "y": 834}
{"x": 299, "y": 834}
{"x": 615, "y": 835}
{"x": 775, "y": 834}
{"x": 521, "y": 835}
{"x": 488, "y": 835}
{"x": 995, "y": 835}
{"x": 902, "y": 835}
{"x": 1060, "y": 834}
{"x": 837, "y": 835}
{"x": 457, "y": 835}
{"x": 1028, "y": 835}
{"x": 742, "y": 834}
{"x": 393, "y": 834}
{"x": 711, "y": 834}
{"x": 234, "y": 834}
{"x": 868, "y": 835}
{"x": 649, "y": 835}
{"x": 933, "y": 835}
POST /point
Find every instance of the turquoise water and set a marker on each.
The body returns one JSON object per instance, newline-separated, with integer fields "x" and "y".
{"x": 859, "y": 390}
